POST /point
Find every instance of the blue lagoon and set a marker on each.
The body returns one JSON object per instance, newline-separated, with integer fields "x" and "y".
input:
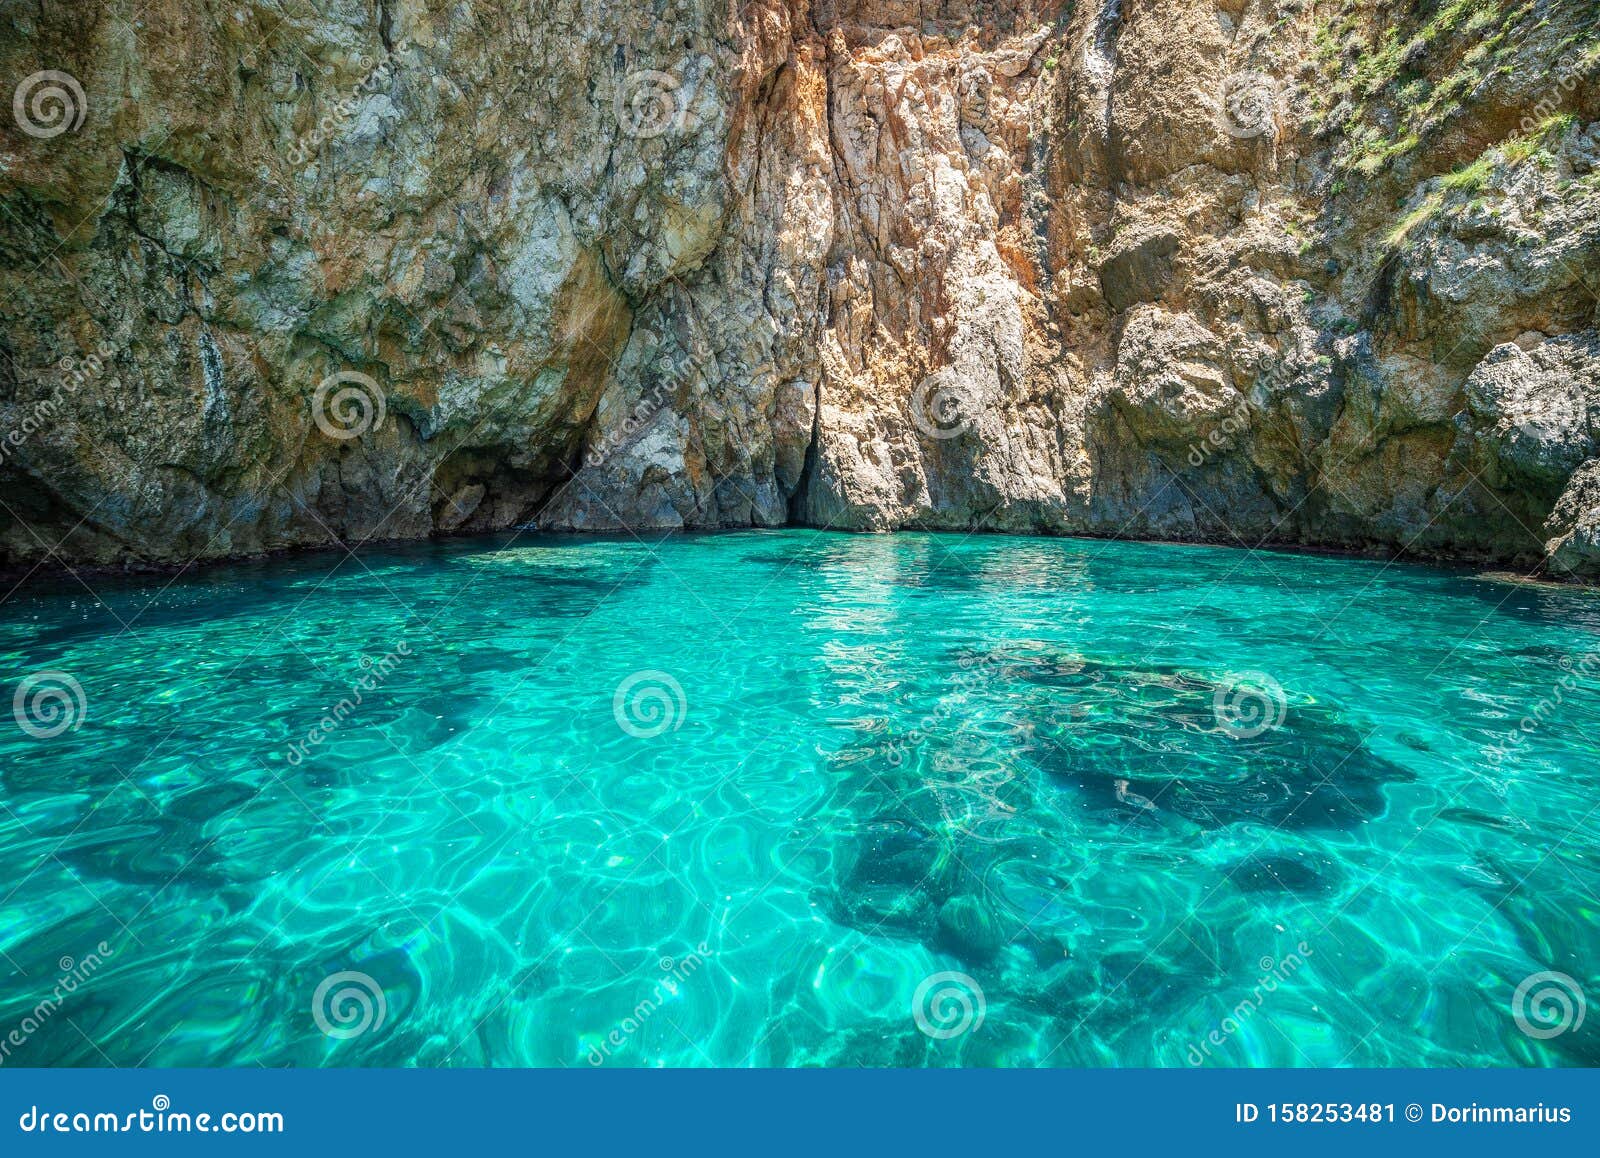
{"x": 797, "y": 798}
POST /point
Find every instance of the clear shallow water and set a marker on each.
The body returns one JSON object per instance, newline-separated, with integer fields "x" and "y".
{"x": 892, "y": 758}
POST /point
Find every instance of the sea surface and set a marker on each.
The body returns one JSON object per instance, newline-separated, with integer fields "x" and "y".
{"x": 795, "y": 798}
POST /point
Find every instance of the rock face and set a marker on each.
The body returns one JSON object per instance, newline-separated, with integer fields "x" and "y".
{"x": 1243, "y": 271}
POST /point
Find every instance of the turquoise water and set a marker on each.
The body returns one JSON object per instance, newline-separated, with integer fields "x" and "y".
{"x": 1060, "y": 770}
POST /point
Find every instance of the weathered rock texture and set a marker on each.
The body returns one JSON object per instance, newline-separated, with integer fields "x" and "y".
{"x": 1243, "y": 270}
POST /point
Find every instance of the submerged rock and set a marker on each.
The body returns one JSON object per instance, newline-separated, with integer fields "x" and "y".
{"x": 894, "y": 880}
{"x": 969, "y": 929}
{"x": 1140, "y": 745}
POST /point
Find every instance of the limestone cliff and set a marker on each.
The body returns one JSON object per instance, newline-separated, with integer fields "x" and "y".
{"x": 1243, "y": 270}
